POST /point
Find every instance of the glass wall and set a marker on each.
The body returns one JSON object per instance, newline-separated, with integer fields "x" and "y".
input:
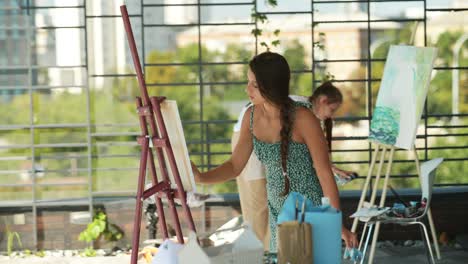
{"x": 68, "y": 124}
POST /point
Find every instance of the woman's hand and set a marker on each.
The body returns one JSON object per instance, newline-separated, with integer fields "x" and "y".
{"x": 196, "y": 173}
{"x": 349, "y": 238}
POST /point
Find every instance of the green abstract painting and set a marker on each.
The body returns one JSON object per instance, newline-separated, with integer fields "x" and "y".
{"x": 402, "y": 95}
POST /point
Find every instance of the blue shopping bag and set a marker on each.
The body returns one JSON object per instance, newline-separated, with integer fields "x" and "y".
{"x": 326, "y": 226}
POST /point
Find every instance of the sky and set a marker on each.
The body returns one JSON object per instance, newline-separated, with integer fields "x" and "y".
{"x": 380, "y": 9}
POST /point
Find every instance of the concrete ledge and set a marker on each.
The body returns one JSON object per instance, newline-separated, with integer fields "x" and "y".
{"x": 56, "y": 229}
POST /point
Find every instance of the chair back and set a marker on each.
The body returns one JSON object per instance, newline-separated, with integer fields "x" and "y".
{"x": 428, "y": 170}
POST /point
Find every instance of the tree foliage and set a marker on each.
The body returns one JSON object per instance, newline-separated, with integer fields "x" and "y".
{"x": 194, "y": 85}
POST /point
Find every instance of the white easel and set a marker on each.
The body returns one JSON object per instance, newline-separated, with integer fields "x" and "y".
{"x": 371, "y": 202}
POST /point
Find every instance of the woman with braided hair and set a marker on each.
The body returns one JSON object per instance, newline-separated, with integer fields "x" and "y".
{"x": 286, "y": 137}
{"x": 251, "y": 182}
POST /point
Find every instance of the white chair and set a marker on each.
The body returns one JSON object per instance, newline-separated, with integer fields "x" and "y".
{"x": 428, "y": 169}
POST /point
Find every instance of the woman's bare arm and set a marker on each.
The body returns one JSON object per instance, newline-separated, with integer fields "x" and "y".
{"x": 234, "y": 165}
{"x": 310, "y": 131}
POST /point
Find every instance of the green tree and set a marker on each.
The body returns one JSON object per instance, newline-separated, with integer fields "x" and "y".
{"x": 116, "y": 105}
{"x": 355, "y": 103}
{"x": 440, "y": 94}
{"x": 438, "y": 101}
{"x": 295, "y": 55}
{"x": 159, "y": 79}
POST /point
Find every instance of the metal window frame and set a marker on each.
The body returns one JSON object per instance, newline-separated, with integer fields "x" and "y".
{"x": 205, "y": 140}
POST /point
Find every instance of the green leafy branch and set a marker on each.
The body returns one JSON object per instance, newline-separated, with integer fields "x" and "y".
{"x": 11, "y": 239}
{"x": 320, "y": 44}
{"x": 100, "y": 227}
{"x": 263, "y": 19}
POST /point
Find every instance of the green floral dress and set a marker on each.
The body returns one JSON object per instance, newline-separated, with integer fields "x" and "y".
{"x": 300, "y": 169}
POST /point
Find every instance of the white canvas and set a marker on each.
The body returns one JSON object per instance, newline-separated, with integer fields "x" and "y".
{"x": 167, "y": 253}
{"x": 175, "y": 132}
{"x": 244, "y": 248}
{"x": 402, "y": 94}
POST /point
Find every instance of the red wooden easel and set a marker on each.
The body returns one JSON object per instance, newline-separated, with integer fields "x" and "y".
{"x": 149, "y": 113}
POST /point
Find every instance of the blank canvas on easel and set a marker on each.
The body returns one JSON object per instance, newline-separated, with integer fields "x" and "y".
{"x": 176, "y": 136}
{"x": 402, "y": 94}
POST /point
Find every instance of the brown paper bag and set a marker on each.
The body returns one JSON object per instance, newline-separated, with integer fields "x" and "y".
{"x": 294, "y": 243}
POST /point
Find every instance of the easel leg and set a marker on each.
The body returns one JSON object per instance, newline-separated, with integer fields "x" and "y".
{"x": 429, "y": 214}
{"x": 170, "y": 197}
{"x": 162, "y": 217}
{"x": 387, "y": 177}
{"x": 188, "y": 214}
{"x": 433, "y": 233}
{"x": 377, "y": 176}
{"x": 382, "y": 198}
{"x": 139, "y": 201}
{"x": 364, "y": 229}
{"x": 175, "y": 218}
{"x": 367, "y": 242}
{"x": 366, "y": 185}
{"x": 157, "y": 199}
{"x": 374, "y": 242}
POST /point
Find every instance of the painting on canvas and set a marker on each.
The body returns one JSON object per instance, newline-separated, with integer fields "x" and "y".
{"x": 402, "y": 94}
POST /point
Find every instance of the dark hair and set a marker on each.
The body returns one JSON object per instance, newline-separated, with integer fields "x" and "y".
{"x": 327, "y": 89}
{"x": 333, "y": 95}
{"x": 272, "y": 73}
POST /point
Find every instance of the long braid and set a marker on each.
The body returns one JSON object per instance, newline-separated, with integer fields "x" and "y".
{"x": 272, "y": 74}
{"x": 328, "y": 124}
{"x": 285, "y": 115}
